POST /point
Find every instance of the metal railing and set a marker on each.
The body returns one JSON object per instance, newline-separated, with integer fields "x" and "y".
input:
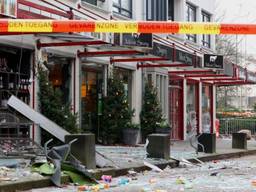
{"x": 233, "y": 125}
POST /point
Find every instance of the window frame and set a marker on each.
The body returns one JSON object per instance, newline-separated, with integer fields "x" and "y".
{"x": 170, "y": 13}
{"x": 190, "y": 7}
{"x": 122, "y": 9}
{"x": 156, "y": 10}
{"x": 206, "y": 39}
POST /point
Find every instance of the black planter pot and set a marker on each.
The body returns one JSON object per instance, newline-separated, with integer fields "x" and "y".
{"x": 165, "y": 130}
{"x": 131, "y": 136}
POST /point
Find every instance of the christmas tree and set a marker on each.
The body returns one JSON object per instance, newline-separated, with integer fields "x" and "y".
{"x": 52, "y": 107}
{"x": 151, "y": 113}
{"x": 117, "y": 114}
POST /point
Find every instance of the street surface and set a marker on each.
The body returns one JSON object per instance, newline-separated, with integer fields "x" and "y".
{"x": 226, "y": 175}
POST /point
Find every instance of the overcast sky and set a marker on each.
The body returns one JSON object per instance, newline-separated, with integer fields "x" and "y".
{"x": 239, "y": 11}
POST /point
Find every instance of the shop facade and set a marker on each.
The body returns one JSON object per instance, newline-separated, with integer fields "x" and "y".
{"x": 80, "y": 64}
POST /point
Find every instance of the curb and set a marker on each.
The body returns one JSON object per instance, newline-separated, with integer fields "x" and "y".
{"x": 45, "y": 182}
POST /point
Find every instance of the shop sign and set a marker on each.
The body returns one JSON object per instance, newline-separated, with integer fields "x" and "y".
{"x": 144, "y": 40}
{"x": 162, "y": 51}
{"x": 184, "y": 57}
{"x": 8, "y": 8}
{"x": 213, "y": 61}
{"x": 241, "y": 73}
{"x": 251, "y": 77}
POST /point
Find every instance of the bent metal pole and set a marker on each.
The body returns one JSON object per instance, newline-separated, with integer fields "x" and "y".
{"x": 55, "y": 26}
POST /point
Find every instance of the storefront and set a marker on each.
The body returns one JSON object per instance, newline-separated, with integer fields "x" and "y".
{"x": 192, "y": 108}
{"x": 207, "y": 107}
{"x": 15, "y": 79}
{"x": 92, "y": 88}
{"x": 175, "y": 109}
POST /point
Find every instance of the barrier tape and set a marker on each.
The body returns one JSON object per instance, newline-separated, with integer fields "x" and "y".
{"x": 40, "y": 26}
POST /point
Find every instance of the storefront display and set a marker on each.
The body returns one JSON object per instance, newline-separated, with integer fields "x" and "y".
{"x": 14, "y": 80}
{"x": 91, "y": 98}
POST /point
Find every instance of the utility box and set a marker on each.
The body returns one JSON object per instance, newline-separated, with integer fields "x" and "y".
{"x": 239, "y": 140}
{"x": 159, "y": 146}
{"x": 83, "y": 149}
{"x": 208, "y": 140}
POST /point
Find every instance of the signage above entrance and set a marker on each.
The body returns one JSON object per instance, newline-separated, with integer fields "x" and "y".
{"x": 162, "y": 51}
{"x": 133, "y": 39}
{"x": 58, "y": 26}
{"x": 213, "y": 61}
{"x": 184, "y": 57}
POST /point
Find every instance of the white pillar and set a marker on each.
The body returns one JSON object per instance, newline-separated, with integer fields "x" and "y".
{"x": 137, "y": 94}
{"x": 76, "y": 70}
{"x": 184, "y": 109}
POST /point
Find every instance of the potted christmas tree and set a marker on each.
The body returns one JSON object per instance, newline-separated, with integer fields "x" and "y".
{"x": 131, "y": 134}
{"x": 151, "y": 113}
{"x": 117, "y": 114}
{"x": 52, "y": 107}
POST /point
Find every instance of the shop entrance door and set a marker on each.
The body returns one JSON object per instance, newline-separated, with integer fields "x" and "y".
{"x": 91, "y": 95}
{"x": 176, "y": 109}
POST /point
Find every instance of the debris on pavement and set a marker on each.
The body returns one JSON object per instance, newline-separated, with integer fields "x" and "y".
{"x": 153, "y": 167}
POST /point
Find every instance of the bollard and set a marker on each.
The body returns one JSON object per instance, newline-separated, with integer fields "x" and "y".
{"x": 159, "y": 146}
{"x": 239, "y": 140}
{"x": 83, "y": 149}
{"x": 208, "y": 140}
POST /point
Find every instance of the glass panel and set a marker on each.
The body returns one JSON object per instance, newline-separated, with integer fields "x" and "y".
{"x": 171, "y": 10}
{"x": 91, "y": 94}
{"x": 123, "y": 7}
{"x": 191, "y": 16}
{"x": 60, "y": 77}
{"x": 206, "y": 40}
{"x": 126, "y": 4}
{"x": 149, "y": 10}
{"x": 191, "y": 110}
{"x": 206, "y": 107}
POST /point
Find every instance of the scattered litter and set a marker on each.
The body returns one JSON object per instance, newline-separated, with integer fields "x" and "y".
{"x": 93, "y": 188}
{"x": 10, "y": 163}
{"x": 198, "y": 160}
{"x": 153, "y": 180}
{"x": 103, "y": 161}
{"x": 215, "y": 161}
{"x": 254, "y": 182}
{"x": 189, "y": 163}
{"x": 214, "y": 174}
{"x": 146, "y": 189}
{"x": 5, "y": 179}
{"x": 132, "y": 173}
{"x": 123, "y": 181}
{"x": 183, "y": 181}
{"x": 153, "y": 167}
{"x": 106, "y": 178}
